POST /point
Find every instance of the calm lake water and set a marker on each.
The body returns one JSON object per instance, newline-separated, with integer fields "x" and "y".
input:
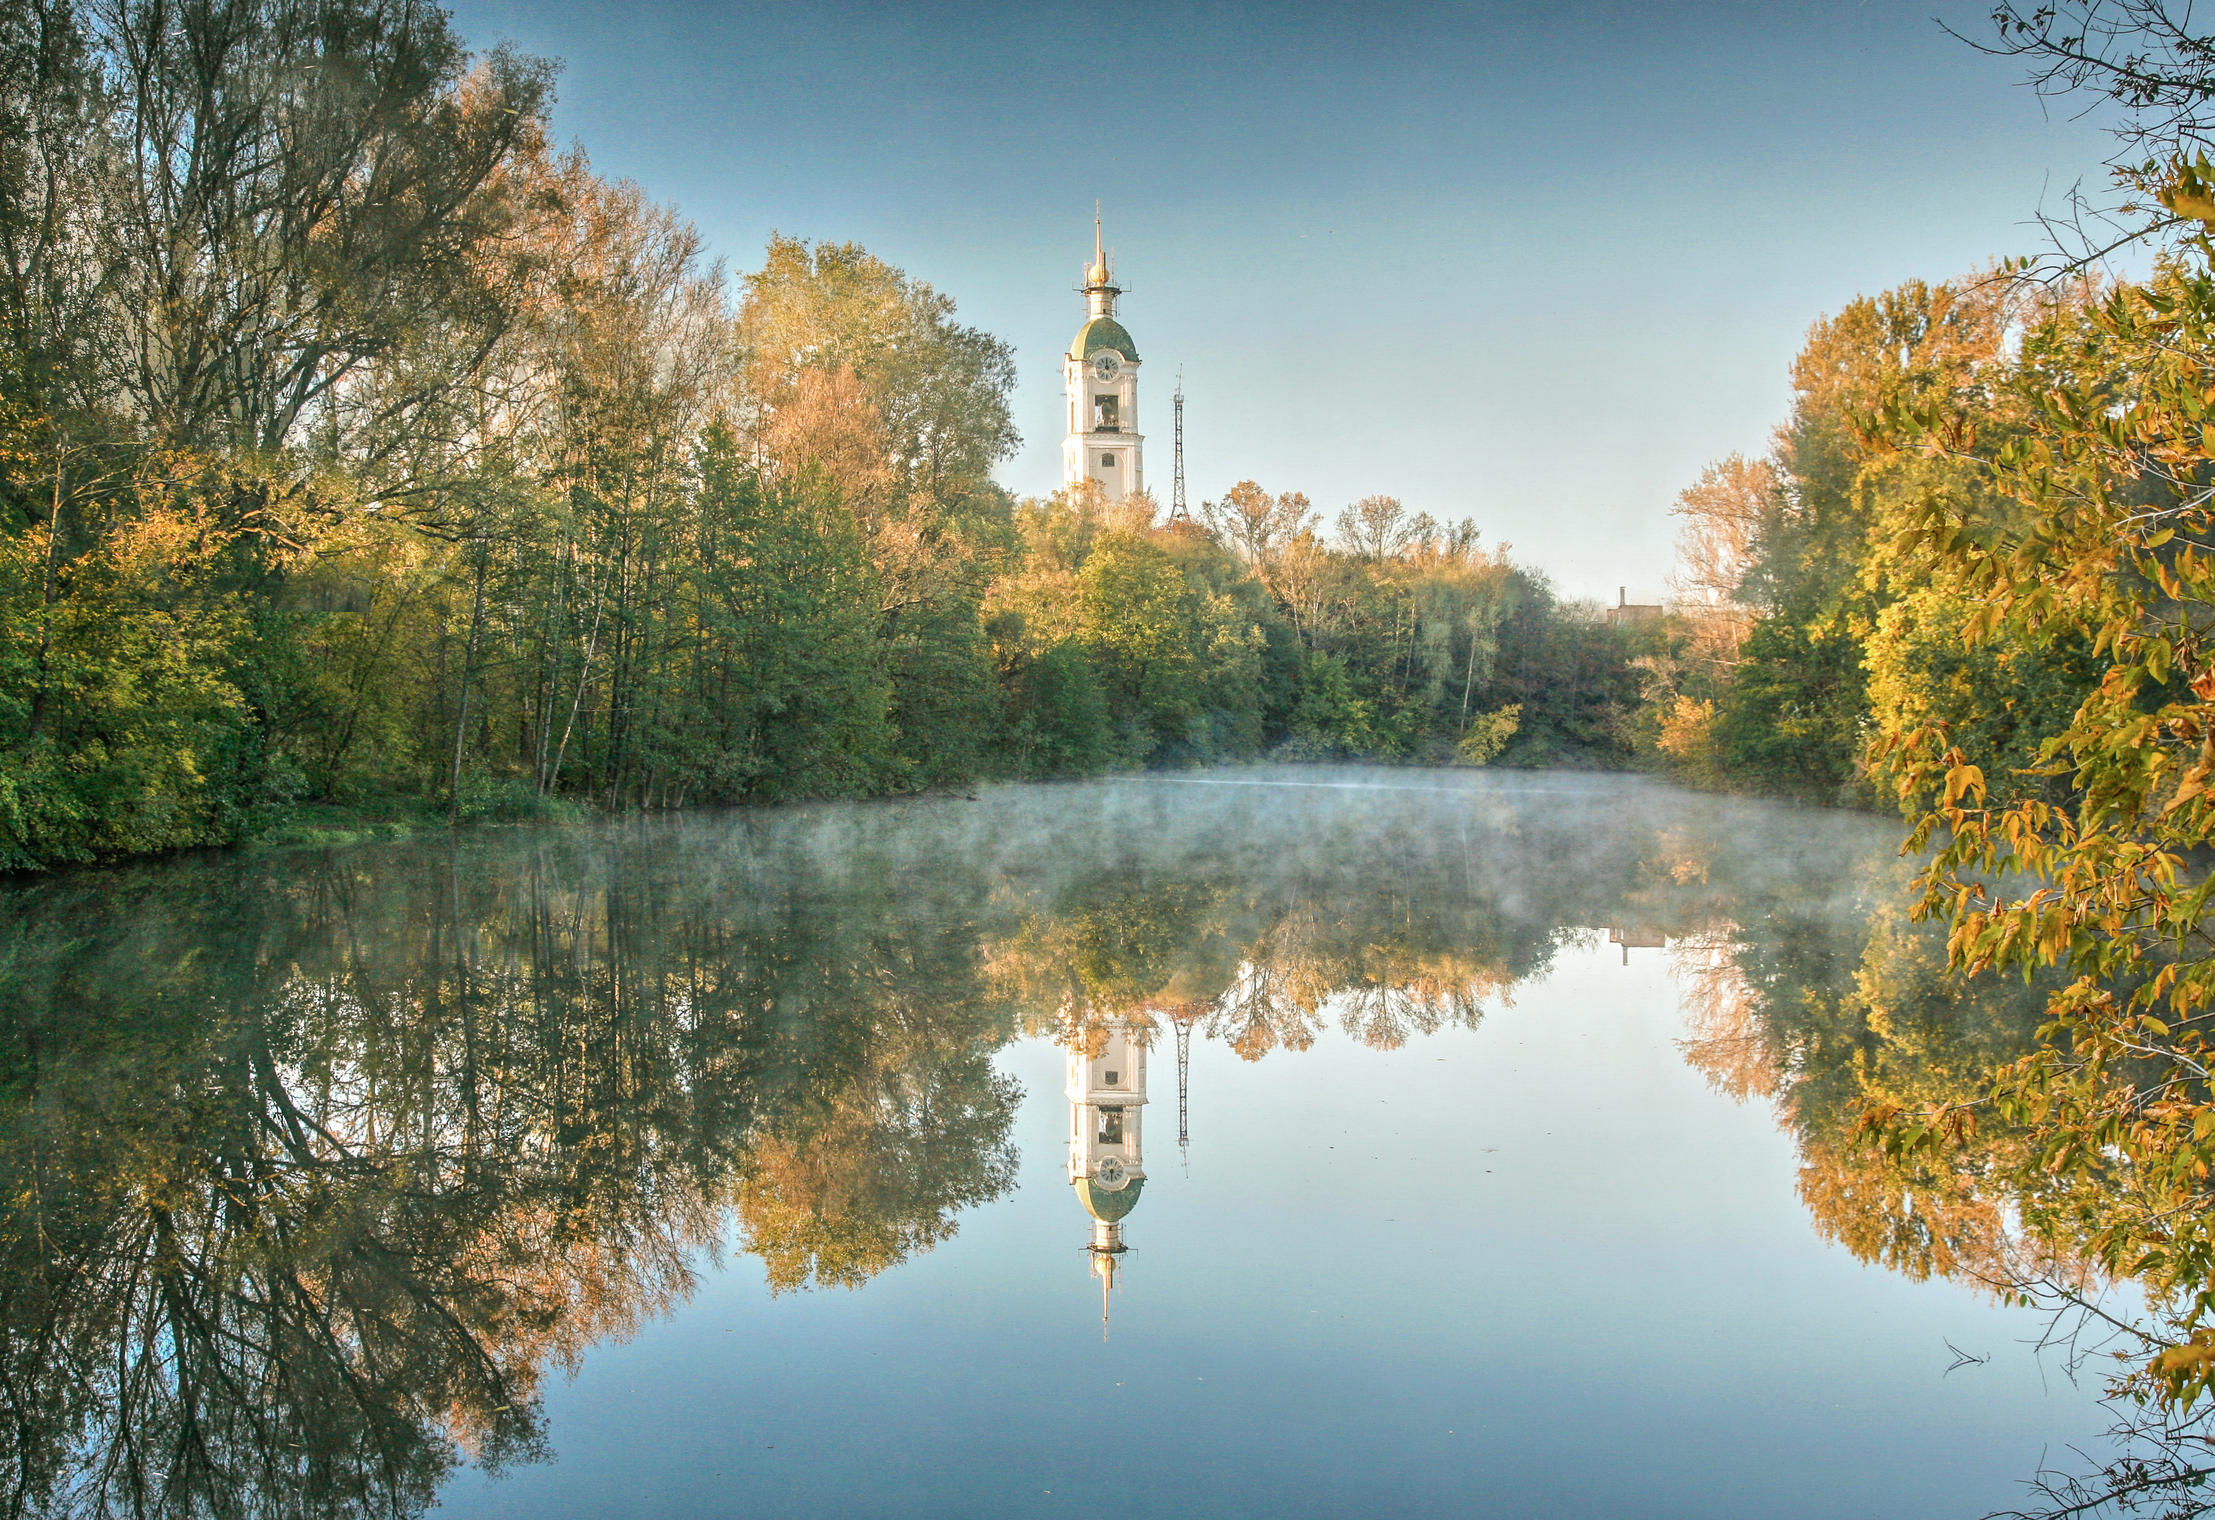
{"x": 1444, "y": 1144}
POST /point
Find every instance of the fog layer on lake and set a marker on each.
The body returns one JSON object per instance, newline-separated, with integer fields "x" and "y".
{"x": 1279, "y": 1141}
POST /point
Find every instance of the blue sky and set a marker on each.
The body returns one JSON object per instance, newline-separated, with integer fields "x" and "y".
{"x": 1531, "y": 265}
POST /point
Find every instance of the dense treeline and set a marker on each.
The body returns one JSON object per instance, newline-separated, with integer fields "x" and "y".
{"x": 1803, "y": 642}
{"x": 361, "y": 453}
{"x": 1976, "y": 575}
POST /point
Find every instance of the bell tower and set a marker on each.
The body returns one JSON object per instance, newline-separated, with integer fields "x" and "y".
{"x": 1100, "y": 376}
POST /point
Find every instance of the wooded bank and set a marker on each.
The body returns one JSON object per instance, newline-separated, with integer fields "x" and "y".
{"x": 360, "y": 452}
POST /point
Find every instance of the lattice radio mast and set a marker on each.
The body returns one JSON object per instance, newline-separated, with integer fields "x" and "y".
{"x": 1177, "y": 512}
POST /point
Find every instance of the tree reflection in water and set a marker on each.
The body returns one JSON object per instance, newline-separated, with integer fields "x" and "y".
{"x": 315, "y": 1163}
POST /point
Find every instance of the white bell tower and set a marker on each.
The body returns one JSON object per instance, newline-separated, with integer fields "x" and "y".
{"x": 1100, "y": 375}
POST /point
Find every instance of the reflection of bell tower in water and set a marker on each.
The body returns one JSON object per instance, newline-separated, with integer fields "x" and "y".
{"x": 1107, "y": 1102}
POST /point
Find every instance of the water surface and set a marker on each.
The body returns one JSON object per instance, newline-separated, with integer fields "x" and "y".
{"x": 722, "y": 1165}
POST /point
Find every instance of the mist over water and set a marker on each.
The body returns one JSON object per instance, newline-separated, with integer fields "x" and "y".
{"x": 722, "y": 1164}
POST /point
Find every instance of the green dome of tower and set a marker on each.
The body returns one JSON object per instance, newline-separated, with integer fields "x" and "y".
{"x": 1105, "y": 1206}
{"x": 1100, "y": 333}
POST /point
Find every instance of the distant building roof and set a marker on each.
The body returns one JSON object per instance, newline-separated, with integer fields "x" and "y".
{"x": 1627, "y": 611}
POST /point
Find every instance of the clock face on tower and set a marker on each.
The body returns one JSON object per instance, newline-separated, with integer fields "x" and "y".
{"x": 1107, "y": 366}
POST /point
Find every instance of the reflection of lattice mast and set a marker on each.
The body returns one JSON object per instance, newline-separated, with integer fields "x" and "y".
{"x": 1184, "y": 1070}
{"x": 1176, "y": 489}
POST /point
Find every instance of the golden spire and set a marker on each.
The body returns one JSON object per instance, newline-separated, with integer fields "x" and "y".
{"x": 1103, "y": 1267}
{"x": 1096, "y": 274}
